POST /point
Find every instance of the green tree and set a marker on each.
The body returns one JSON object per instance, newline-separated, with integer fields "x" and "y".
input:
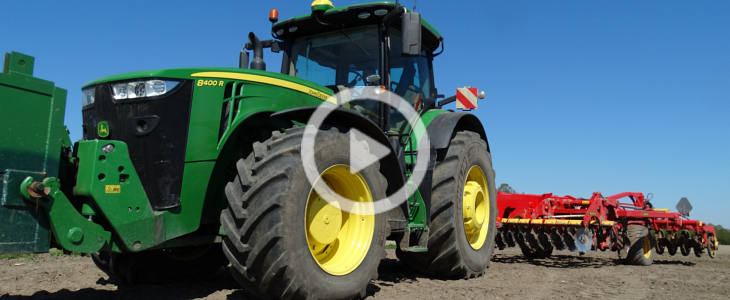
{"x": 505, "y": 188}
{"x": 723, "y": 235}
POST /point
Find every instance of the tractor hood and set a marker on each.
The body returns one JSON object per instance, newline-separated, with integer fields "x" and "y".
{"x": 271, "y": 78}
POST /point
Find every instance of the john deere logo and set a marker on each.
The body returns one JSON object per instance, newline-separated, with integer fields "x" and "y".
{"x": 102, "y": 129}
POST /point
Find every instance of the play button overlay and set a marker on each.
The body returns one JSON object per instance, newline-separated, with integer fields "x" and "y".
{"x": 364, "y": 151}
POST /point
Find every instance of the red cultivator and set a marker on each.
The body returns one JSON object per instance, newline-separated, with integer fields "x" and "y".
{"x": 540, "y": 223}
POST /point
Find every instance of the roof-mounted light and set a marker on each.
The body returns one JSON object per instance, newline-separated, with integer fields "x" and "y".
{"x": 273, "y": 15}
{"x": 380, "y": 12}
{"x": 321, "y": 5}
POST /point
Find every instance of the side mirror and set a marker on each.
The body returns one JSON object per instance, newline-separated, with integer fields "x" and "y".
{"x": 372, "y": 79}
{"x": 411, "y": 29}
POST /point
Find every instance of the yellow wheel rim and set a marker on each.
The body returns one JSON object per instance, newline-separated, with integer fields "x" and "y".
{"x": 475, "y": 207}
{"x": 339, "y": 240}
{"x": 647, "y": 247}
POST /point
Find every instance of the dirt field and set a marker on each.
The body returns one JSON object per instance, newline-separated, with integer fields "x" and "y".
{"x": 510, "y": 276}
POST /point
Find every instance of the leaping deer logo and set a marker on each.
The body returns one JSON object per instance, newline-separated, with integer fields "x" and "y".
{"x": 103, "y": 129}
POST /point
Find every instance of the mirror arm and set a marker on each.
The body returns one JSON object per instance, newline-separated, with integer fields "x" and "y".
{"x": 446, "y": 101}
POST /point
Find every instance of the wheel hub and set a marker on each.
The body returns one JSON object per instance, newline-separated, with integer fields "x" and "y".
{"x": 326, "y": 220}
{"x": 475, "y": 207}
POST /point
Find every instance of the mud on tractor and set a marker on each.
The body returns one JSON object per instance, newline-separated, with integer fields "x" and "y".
{"x": 183, "y": 171}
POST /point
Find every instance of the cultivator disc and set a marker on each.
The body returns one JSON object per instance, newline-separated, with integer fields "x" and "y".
{"x": 568, "y": 239}
{"x": 498, "y": 241}
{"x": 556, "y": 239}
{"x": 583, "y": 240}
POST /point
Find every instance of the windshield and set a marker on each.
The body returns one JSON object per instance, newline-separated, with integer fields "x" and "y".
{"x": 337, "y": 60}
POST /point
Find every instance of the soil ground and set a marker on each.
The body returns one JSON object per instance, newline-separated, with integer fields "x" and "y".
{"x": 565, "y": 274}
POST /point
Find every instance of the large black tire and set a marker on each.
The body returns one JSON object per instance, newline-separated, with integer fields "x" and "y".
{"x": 162, "y": 266}
{"x": 449, "y": 253}
{"x": 641, "y": 251}
{"x": 264, "y": 222}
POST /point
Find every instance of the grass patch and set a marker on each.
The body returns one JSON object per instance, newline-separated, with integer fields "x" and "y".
{"x": 390, "y": 246}
{"x": 55, "y": 252}
{"x": 18, "y": 255}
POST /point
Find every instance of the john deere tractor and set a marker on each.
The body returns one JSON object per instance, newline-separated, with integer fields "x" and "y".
{"x": 183, "y": 171}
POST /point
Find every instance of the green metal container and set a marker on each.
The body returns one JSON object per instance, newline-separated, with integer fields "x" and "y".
{"x": 31, "y": 139}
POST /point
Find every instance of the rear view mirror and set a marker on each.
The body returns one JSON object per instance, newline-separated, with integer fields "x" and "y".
{"x": 372, "y": 79}
{"x": 411, "y": 29}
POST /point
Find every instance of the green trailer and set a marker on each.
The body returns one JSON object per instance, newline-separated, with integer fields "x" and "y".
{"x": 183, "y": 171}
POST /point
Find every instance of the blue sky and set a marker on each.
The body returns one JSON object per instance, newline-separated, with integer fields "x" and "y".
{"x": 582, "y": 96}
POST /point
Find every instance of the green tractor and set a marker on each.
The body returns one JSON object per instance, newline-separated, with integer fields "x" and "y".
{"x": 183, "y": 171}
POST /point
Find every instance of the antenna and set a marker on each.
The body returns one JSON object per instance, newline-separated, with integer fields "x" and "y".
{"x": 414, "y": 4}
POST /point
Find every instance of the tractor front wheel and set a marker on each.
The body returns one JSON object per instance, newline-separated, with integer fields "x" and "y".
{"x": 284, "y": 240}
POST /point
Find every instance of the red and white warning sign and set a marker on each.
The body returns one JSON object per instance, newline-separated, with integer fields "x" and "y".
{"x": 466, "y": 98}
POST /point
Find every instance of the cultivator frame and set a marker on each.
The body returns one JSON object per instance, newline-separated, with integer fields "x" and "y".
{"x": 540, "y": 223}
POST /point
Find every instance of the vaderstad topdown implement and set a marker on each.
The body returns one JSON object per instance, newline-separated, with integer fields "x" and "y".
{"x": 625, "y": 222}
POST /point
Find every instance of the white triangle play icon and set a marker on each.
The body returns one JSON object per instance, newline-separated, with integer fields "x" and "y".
{"x": 364, "y": 151}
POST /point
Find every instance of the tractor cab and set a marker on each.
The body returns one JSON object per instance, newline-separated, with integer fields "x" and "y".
{"x": 372, "y": 44}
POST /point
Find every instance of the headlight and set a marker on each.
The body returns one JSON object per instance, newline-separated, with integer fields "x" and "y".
{"x": 87, "y": 96}
{"x": 140, "y": 89}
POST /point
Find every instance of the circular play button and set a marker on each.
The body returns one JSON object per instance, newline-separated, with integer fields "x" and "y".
{"x": 366, "y": 150}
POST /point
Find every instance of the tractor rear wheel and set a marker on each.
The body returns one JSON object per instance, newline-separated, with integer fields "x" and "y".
{"x": 463, "y": 212}
{"x": 161, "y": 266}
{"x": 286, "y": 241}
{"x": 641, "y": 247}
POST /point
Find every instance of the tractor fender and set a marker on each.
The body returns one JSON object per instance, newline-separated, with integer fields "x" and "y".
{"x": 444, "y": 126}
{"x": 340, "y": 116}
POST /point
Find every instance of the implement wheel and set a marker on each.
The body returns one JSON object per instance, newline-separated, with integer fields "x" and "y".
{"x": 712, "y": 245}
{"x": 463, "y": 212}
{"x": 284, "y": 240}
{"x": 162, "y": 266}
{"x": 642, "y": 245}
{"x": 672, "y": 244}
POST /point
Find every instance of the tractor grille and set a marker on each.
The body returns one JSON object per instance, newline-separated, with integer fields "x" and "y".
{"x": 155, "y": 130}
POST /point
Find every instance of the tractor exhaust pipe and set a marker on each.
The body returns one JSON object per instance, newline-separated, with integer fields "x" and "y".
{"x": 258, "y": 52}
{"x": 243, "y": 59}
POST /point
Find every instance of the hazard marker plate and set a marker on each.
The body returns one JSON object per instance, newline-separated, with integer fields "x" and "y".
{"x": 466, "y": 98}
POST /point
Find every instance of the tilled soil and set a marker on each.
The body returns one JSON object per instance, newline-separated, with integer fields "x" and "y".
{"x": 564, "y": 275}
